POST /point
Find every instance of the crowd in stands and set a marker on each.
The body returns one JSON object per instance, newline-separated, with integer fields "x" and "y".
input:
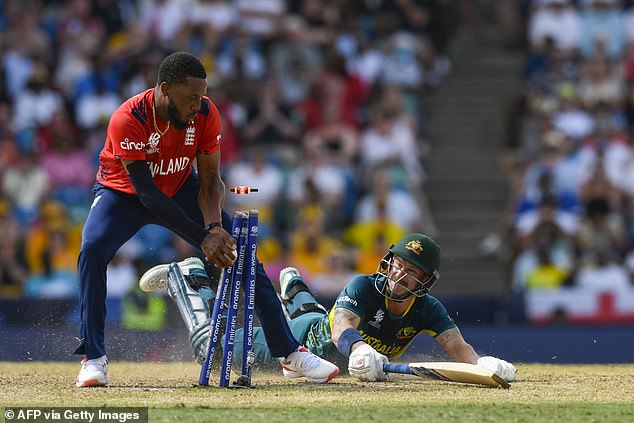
{"x": 322, "y": 111}
{"x": 570, "y": 161}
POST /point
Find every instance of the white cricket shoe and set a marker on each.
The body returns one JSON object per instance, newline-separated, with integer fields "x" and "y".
{"x": 156, "y": 278}
{"x": 93, "y": 372}
{"x": 286, "y": 275}
{"x": 304, "y": 363}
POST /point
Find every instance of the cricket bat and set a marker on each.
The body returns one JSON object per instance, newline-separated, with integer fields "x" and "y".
{"x": 450, "y": 371}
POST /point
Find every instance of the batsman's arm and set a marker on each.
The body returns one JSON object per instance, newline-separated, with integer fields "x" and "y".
{"x": 456, "y": 347}
{"x": 343, "y": 320}
{"x": 364, "y": 362}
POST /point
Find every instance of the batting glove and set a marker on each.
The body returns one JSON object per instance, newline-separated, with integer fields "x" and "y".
{"x": 366, "y": 364}
{"x": 502, "y": 368}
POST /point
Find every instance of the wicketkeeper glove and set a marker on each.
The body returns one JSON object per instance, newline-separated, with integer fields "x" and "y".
{"x": 366, "y": 364}
{"x": 502, "y": 368}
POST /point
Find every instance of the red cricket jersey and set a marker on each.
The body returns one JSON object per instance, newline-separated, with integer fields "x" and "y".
{"x": 131, "y": 136}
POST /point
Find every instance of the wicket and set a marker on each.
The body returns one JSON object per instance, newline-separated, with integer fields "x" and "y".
{"x": 244, "y": 228}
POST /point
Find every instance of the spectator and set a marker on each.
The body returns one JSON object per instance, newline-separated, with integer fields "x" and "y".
{"x": 257, "y": 170}
{"x": 404, "y": 62}
{"x": 602, "y": 229}
{"x": 544, "y": 187}
{"x": 545, "y": 257}
{"x": 571, "y": 118}
{"x": 209, "y": 20}
{"x": 122, "y": 275}
{"x": 384, "y": 198}
{"x": 295, "y": 60}
{"x": 545, "y": 274}
{"x": 8, "y": 146}
{"x": 69, "y": 168}
{"x": 52, "y": 249}
{"x": 548, "y": 211}
{"x": 28, "y": 46}
{"x": 35, "y": 107}
{"x": 164, "y": 20}
{"x": 95, "y": 108}
{"x": 600, "y": 85}
{"x": 241, "y": 59}
{"x": 269, "y": 121}
{"x": 602, "y": 270}
{"x": 337, "y": 141}
{"x": 390, "y": 141}
{"x": 317, "y": 182}
{"x": 65, "y": 162}
{"x": 311, "y": 246}
{"x": 599, "y": 187}
{"x": 603, "y": 32}
{"x": 329, "y": 282}
{"x": 26, "y": 184}
{"x": 261, "y": 18}
{"x": 558, "y": 20}
{"x": 13, "y": 270}
{"x": 335, "y": 90}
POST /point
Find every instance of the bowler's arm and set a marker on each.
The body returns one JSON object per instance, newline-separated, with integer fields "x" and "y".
{"x": 212, "y": 187}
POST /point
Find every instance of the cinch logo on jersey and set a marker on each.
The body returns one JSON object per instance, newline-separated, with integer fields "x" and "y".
{"x": 167, "y": 168}
{"x": 150, "y": 147}
{"x": 346, "y": 299}
{"x": 391, "y": 351}
{"x": 126, "y": 144}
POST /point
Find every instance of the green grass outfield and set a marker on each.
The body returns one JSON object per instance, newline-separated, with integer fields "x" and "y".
{"x": 542, "y": 393}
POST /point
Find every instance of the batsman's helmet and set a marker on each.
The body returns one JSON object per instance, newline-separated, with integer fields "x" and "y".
{"x": 419, "y": 250}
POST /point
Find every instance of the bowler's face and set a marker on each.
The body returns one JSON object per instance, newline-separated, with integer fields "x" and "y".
{"x": 184, "y": 101}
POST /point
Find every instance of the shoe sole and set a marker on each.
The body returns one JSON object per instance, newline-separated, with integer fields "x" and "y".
{"x": 330, "y": 376}
{"x": 284, "y": 285}
{"x": 90, "y": 383}
{"x": 292, "y": 374}
{"x": 155, "y": 279}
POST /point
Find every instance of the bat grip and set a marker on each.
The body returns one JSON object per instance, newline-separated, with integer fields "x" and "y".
{"x": 397, "y": 368}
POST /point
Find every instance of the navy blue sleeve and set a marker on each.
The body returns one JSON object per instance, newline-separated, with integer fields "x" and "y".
{"x": 163, "y": 207}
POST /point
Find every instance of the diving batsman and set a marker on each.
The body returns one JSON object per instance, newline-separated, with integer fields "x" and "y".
{"x": 376, "y": 316}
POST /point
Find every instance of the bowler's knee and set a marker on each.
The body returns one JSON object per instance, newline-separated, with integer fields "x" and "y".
{"x": 93, "y": 251}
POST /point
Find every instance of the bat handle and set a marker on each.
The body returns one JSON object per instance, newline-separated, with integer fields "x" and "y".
{"x": 397, "y": 368}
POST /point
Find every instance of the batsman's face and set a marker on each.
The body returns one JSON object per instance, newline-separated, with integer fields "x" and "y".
{"x": 184, "y": 101}
{"x": 405, "y": 278}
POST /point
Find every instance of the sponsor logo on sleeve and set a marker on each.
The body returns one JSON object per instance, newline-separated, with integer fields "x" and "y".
{"x": 150, "y": 147}
{"x": 346, "y": 299}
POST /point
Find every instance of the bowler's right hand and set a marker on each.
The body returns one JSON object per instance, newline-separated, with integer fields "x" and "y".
{"x": 219, "y": 248}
